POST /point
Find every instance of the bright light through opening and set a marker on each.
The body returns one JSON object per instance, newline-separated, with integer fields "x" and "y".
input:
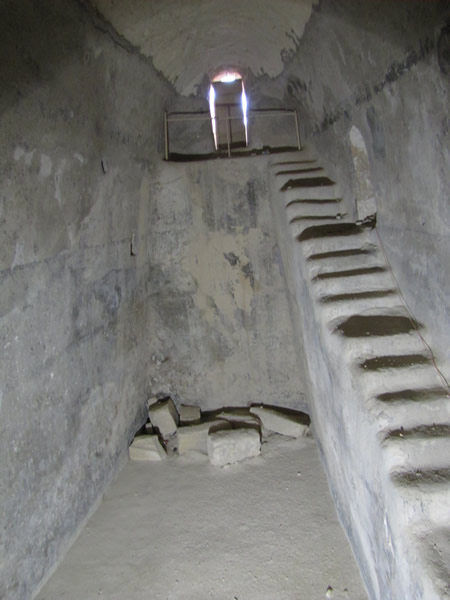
{"x": 244, "y": 111}
{"x": 227, "y": 77}
{"x": 212, "y": 110}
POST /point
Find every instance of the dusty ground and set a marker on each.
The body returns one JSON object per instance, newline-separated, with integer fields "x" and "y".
{"x": 185, "y": 530}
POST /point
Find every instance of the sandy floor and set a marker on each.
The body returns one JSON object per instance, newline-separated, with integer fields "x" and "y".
{"x": 184, "y": 530}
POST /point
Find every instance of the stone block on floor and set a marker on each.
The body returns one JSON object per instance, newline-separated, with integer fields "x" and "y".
{"x": 163, "y": 416}
{"x": 228, "y": 447}
{"x": 147, "y": 447}
{"x": 195, "y": 437}
{"x": 189, "y": 414}
{"x": 239, "y": 416}
{"x": 278, "y": 422}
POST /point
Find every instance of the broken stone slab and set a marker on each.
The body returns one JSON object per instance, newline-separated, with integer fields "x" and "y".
{"x": 147, "y": 447}
{"x": 238, "y": 416}
{"x": 278, "y": 422}
{"x": 189, "y": 414}
{"x": 195, "y": 437}
{"x": 232, "y": 446}
{"x": 163, "y": 416}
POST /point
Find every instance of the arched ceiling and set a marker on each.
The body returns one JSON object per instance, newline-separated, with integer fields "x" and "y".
{"x": 188, "y": 38}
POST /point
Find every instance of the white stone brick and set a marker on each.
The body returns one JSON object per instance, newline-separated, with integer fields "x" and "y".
{"x": 189, "y": 414}
{"x": 147, "y": 447}
{"x": 195, "y": 437}
{"x": 164, "y": 417}
{"x": 278, "y": 422}
{"x": 228, "y": 447}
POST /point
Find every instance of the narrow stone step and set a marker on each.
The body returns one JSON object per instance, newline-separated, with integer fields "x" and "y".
{"x": 360, "y": 348}
{"x": 307, "y": 182}
{"x": 344, "y": 263}
{"x": 332, "y": 237}
{"x": 375, "y": 326}
{"x": 295, "y": 163}
{"x": 394, "y": 361}
{"x": 339, "y": 230}
{"x": 422, "y": 448}
{"x": 425, "y": 410}
{"x": 283, "y": 179}
{"x": 306, "y": 155}
{"x": 314, "y": 202}
{"x": 336, "y": 254}
{"x": 366, "y": 281}
{"x": 427, "y": 480}
{"x": 425, "y": 494}
{"x": 316, "y": 217}
{"x": 409, "y": 395}
{"x": 420, "y": 433}
{"x": 300, "y": 223}
{"x": 434, "y": 550}
{"x": 356, "y": 296}
{"x": 375, "y": 383}
{"x": 318, "y": 192}
{"x": 303, "y": 213}
{"x": 308, "y": 168}
{"x": 350, "y": 272}
{"x": 336, "y": 312}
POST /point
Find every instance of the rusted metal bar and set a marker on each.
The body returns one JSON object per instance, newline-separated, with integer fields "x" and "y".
{"x": 253, "y": 113}
{"x": 239, "y": 118}
{"x": 166, "y": 136}
{"x": 228, "y": 132}
{"x": 299, "y": 144}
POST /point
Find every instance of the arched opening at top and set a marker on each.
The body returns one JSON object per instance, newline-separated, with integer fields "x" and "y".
{"x": 228, "y": 106}
{"x": 227, "y": 77}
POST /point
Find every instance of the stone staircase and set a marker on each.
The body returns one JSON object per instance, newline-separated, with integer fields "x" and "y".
{"x": 373, "y": 375}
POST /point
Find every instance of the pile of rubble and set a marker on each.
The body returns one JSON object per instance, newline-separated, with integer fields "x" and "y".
{"x": 226, "y": 436}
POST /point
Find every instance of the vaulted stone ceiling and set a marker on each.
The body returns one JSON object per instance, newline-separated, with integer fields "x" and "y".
{"x": 187, "y": 39}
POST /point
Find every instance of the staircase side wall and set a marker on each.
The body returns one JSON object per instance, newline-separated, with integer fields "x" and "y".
{"x": 380, "y": 410}
{"x": 383, "y": 67}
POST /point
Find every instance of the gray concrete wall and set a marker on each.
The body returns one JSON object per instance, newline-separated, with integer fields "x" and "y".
{"x": 219, "y": 306}
{"x": 383, "y": 67}
{"x": 81, "y": 128}
{"x": 89, "y": 331}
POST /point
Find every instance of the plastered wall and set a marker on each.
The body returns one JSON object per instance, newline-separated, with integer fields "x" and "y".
{"x": 80, "y": 126}
{"x": 219, "y": 306}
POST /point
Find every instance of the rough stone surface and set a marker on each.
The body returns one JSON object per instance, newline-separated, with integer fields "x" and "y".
{"x": 238, "y": 416}
{"x": 228, "y": 447}
{"x": 264, "y": 526}
{"x": 278, "y": 422}
{"x": 189, "y": 414}
{"x": 195, "y": 437}
{"x": 79, "y": 153}
{"x": 163, "y": 416}
{"x": 147, "y": 447}
{"x": 217, "y": 294}
{"x": 256, "y": 34}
